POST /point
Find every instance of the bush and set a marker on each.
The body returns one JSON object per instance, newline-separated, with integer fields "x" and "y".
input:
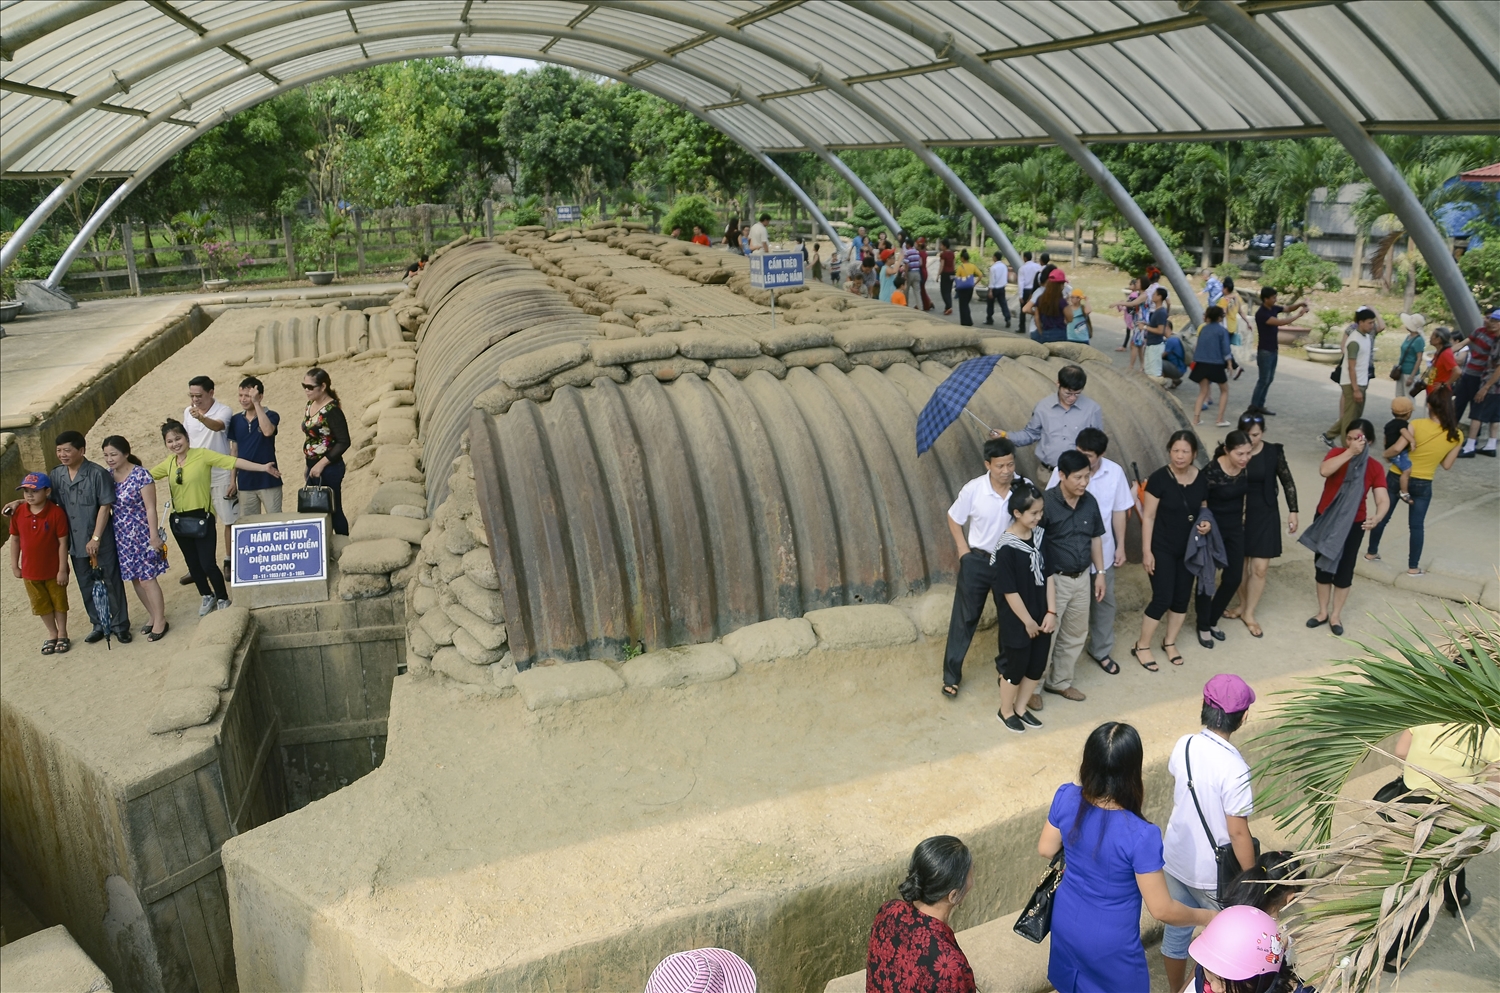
{"x": 1131, "y": 255}
{"x": 1227, "y": 270}
{"x": 1299, "y": 270}
{"x": 688, "y": 211}
{"x": 1481, "y": 269}
{"x": 528, "y": 211}
{"x": 922, "y": 222}
{"x": 1431, "y": 304}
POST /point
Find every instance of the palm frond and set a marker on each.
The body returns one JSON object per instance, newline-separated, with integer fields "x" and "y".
{"x": 1364, "y": 892}
{"x": 1323, "y": 729}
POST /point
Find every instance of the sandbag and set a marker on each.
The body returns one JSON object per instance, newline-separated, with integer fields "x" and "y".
{"x": 666, "y": 370}
{"x": 585, "y": 374}
{"x": 808, "y": 358}
{"x": 872, "y": 337}
{"x": 712, "y": 345}
{"x": 627, "y": 350}
{"x": 789, "y": 339}
{"x": 740, "y": 368}
{"x": 536, "y": 367}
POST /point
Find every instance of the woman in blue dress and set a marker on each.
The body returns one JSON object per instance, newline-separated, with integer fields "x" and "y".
{"x": 142, "y": 552}
{"x": 1113, "y": 861}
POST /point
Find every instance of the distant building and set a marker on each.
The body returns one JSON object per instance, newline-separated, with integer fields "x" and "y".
{"x": 1331, "y": 232}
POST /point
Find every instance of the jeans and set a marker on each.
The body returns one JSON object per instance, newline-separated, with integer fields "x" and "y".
{"x": 1266, "y": 362}
{"x": 996, "y": 295}
{"x": 1421, "y": 499}
{"x": 1176, "y": 938}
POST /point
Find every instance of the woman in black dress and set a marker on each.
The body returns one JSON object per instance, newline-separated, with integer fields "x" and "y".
{"x": 1228, "y": 482}
{"x": 1262, "y": 515}
{"x": 1174, "y": 493}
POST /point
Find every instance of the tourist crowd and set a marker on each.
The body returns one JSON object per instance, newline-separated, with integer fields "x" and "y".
{"x": 102, "y": 525}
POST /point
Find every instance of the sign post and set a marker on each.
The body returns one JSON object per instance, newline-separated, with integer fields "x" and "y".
{"x": 280, "y": 558}
{"x": 569, "y": 213}
{"x": 773, "y": 270}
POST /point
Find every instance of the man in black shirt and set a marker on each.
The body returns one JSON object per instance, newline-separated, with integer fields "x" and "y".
{"x": 1073, "y": 540}
{"x": 1269, "y": 320}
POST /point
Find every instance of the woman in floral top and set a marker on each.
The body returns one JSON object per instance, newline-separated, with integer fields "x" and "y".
{"x": 912, "y": 948}
{"x": 325, "y": 440}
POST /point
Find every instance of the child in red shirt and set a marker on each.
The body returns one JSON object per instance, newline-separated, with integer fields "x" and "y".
{"x": 39, "y": 555}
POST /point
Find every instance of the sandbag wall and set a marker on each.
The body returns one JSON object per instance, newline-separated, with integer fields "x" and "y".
{"x": 640, "y": 462}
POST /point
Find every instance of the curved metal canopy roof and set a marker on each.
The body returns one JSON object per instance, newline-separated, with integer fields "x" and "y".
{"x": 109, "y": 87}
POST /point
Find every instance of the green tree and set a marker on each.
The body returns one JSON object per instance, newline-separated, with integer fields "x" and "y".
{"x": 401, "y": 132}
{"x": 1298, "y": 270}
{"x": 556, "y": 124}
{"x": 689, "y": 210}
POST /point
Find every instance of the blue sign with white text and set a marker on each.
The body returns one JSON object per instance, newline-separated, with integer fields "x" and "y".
{"x": 775, "y": 270}
{"x": 279, "y": 551}
{"x": 568, "y": 213}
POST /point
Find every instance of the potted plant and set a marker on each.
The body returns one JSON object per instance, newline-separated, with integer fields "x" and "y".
{"x": 221, "y": 258}
{"x": 1330, "y": 326}
{"x": 325, "y": 245}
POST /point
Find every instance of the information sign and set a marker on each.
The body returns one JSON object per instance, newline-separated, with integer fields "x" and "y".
{"x": 568, "y": 213}
{"x": 279, "y": 551}
{"x": 775, "y": 270}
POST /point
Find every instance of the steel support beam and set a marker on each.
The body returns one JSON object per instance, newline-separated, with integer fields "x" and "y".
{"x": 22, "y": 32}
{"x": 186, "y": 100}
{"x": 1377, "y": 167}
{"x": 680, "y": 14}
{"x": 105, "y": 209}
{"x": 1059, "y": 131}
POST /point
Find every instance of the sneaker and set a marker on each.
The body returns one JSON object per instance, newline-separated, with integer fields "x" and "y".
{"x": 1329, "y": 442}
{"x": 206, "y": 607}
{"x": 222, "y": 605}
{"x": 1030, "y": 721}
{"x": 1012, "y": 723}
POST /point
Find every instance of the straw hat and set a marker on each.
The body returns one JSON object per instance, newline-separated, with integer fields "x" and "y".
{"x": 1414, "y": 323}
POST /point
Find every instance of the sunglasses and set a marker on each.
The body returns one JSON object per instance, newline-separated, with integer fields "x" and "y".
{"x": 309, "y": 386}
{"x": 179, "y": 475}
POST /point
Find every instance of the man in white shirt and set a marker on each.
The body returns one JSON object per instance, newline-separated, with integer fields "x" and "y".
{"x": 1359, "y": 352}
{"x": 760, "y": 238}
{"x": 1111, "y": 491}
{"x": 999, "y": 276}
{"x": 207, "y": 423}
{"x": 983, "y": 505}
{"x": 1211, "y": 770}
{"x": 1026, "y": 278}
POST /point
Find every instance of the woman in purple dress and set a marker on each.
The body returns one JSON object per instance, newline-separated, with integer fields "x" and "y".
{"x": 1113, "y": 860}
{"x": 143, "y": 554}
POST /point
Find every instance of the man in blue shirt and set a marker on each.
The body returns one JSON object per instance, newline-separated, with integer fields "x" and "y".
{"x": 1173, "y": 358}
{"x": 1156, "y": 331}
{"x": 252, "y": 437}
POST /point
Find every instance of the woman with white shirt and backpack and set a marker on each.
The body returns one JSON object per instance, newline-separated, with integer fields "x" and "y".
{"x": 1210, "y": 822}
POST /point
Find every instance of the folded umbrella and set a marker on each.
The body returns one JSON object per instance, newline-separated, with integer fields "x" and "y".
{"x": 951, "y": 399}
{"x": 100, "y": 593}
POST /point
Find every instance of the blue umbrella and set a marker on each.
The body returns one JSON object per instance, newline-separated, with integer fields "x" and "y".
{"x": 951, "y": 398}
{"x": 101, "y": 600}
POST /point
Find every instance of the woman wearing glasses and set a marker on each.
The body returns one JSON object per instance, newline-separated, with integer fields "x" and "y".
{"x": 326, "y": 439}
{"x": 1262, "y": 515}
{"x": 189, "y": 479}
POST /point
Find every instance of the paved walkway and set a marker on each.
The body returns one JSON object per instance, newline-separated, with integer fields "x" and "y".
{"x": 51, "y": 354}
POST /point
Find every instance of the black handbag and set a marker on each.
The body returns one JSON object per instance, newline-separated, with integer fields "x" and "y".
{"x": 1227, "y": 862}
{"x": 315, "y": 500}
{"x": 192, "y": 526}
{"x": 1035, "y": 922}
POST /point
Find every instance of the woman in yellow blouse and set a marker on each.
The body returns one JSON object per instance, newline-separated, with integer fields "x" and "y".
{"x": 965, "y": 277}
{"x": 188, "y": 476}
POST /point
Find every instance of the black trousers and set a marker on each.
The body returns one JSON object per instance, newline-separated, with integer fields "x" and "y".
{"x": 1171, "y": 586}
{"x": 1343, "y": 577}
{"x": 201, "y": 558}
{"x": 109, "y": 571}
{"x": 976, "y": 582}
{"x": 1021, "y": 314}
{"x": 996, "y": 295}
{"x": 1454, "y": 887}
{"x": 333, "y": 478}
{"x": 1211, "y": 609}
{"x": 964, "y": 296}
{"x": 945, "y": 287}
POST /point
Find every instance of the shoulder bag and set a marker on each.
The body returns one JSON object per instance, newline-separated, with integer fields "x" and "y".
{"x": 193, "y": 526}
{"x": 1224, "y": 858}
{"x": 1035, "y": 922}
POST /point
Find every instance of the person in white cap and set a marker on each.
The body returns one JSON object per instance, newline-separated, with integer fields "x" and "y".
{"x": 1211, "y": 808}
{"x": 1413, "y": 350}
{"x": 702, "y": 970}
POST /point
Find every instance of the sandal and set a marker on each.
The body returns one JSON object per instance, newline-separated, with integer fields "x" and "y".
{"x": 63, "y": 646}
{"x": 49, "y": 646}
{"x": 1109, "y": 665}
{"x": 1405, "y": 498}
{"x": 1173, "y": 657}
{"x": 949, "y": 691}
{"x": 1233, "y": 613}
{"x": 1148, "y": 664}
{"x": 165, "y": 627}
{"x": 1369, "y": 557}
{"x": 1253, "y": 628}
